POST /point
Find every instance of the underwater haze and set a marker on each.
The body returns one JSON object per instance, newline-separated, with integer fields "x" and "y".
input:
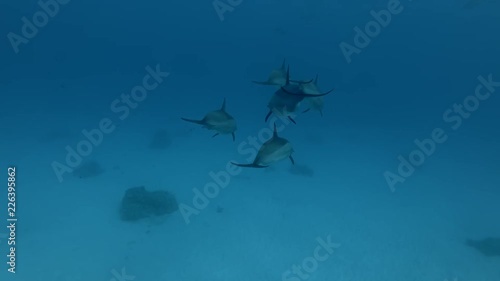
{"x": 223, "y": 140}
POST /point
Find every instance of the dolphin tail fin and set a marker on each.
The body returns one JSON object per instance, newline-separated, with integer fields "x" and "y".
{"x": 249, "y": 165}
{"x": 199, "y": 122}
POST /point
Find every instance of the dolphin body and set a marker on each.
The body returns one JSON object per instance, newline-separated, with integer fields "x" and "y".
{"x": 316, "y": 103}
{"x": 285, "y": 100}
{"x": 218, "y": 120}
{"x": 276, "y": 78}
{"x": 273, "y": 150}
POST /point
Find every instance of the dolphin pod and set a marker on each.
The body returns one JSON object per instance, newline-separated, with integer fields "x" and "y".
{"x": 284, "y": 102}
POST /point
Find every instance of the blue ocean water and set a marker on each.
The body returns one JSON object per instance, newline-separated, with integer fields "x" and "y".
{"x": 397, "y": 179}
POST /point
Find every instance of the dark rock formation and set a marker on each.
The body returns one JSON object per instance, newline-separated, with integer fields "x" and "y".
{"x": 301, "y": 170}
{"x": 161, "y": 140}
{"x": 489, "y": 247}
{"x": 138, "y": 203}
{"x": 88, "y": 170}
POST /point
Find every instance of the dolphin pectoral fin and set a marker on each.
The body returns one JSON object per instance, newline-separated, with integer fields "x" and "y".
{"x": 291, "y": 119}
{"x": 306, "y": 110}
{"x": 291, "y": 159}
{"x": 216, "y": 134}
{"x": 263, "y": 83}
{"x": 234, "y": 137}
{"x": 249, "y": 165}
{"x": 268, "y": 115}
{"x": 199, "y": 122}
{"x": 326, "y": 93}
{"x": 300, "y": 94}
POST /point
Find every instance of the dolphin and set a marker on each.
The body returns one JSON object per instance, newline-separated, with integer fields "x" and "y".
{"x": 276, "y": 78}
{"x": 273, "y": 150}
{"x": 285, "y": 100}
{"x": 316, "y": 103}
{"x": 218, "y": 120}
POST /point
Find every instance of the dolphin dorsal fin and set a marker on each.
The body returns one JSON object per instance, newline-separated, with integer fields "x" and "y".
{"x": 288, "y": 76}
{"x": 316, "y": 80}
{"x": 223, "y": 107}
{"x": 283, "y": 66}
{"x": 275, "y": 133}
